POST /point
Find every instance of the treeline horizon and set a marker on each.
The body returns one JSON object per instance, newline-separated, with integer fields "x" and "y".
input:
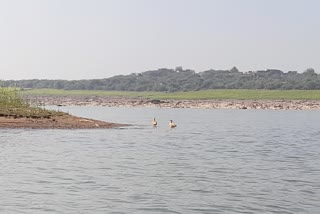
{"x": 179, "y": 79}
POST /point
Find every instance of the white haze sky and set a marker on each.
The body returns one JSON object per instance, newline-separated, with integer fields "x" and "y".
{"x": 87, "y": 39}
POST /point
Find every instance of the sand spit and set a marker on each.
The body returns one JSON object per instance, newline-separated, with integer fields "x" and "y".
{"x": 143, "y": 102}
{"x": 55, "y": 122}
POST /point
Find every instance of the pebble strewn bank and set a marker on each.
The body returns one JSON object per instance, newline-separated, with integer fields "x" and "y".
{"x": 143, "y": 102}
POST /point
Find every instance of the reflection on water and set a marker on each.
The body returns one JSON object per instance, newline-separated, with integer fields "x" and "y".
{"x": 215, "y": 161}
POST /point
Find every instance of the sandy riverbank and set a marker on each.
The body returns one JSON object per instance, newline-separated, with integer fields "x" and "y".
{"x": 55, "y": 122}
{"x": 143, "y": 102}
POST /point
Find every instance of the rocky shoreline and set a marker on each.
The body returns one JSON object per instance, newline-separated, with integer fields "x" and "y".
{"x": 144, "y": 102}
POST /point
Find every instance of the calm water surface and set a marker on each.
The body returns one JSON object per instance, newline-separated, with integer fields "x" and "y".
{"x": 215, "y": 161}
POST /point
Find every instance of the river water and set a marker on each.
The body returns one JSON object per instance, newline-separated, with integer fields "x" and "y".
{"x": 215, "y": 161}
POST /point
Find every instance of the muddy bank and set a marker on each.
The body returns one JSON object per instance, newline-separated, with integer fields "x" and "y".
{"x": 143, "y": 102}
{"x": 56, "y": 122}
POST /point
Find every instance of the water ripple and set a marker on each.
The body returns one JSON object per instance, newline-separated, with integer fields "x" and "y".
{"x": 242, "y": 163}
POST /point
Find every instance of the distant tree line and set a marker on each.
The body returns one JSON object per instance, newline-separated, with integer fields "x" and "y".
{"x": 172, "y": 80}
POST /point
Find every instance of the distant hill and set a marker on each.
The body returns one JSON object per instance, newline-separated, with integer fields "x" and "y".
{"x": 172, "y": 80}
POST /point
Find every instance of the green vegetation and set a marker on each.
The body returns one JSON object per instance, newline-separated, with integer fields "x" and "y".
{"x": 203, "y": 94}
{"x": 177, "y": 80}
{"x": 13, "y": 105}
{"x": 61, "y": 92}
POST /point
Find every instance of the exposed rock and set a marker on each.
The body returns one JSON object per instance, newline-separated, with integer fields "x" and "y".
{"x": 144, "y": 102}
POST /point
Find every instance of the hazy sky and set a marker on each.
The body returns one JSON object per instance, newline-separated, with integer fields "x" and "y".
{"x": 86, "y": 39}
